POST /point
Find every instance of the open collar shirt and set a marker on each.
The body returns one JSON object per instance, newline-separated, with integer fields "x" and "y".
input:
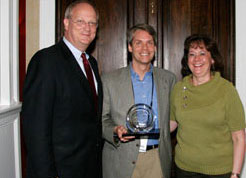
{"x": 142, "y": 90}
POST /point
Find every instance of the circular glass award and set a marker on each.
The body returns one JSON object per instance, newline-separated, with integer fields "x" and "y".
{"x": 140, "y": 118}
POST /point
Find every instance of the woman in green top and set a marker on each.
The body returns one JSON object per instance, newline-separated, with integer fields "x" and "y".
{"x": 209, "y": 115}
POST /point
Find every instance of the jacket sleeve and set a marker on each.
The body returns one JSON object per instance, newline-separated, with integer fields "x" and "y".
{"x": 107, "y": 122}
{"x": 37, "y": 110}
{"x": 172, "y": 100}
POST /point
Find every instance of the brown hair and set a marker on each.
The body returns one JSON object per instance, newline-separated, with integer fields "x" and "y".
{"x": 210, "y": 45}
{"x": 144, "y": 27}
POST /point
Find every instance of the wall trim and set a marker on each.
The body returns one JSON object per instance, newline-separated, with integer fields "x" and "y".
{"x": 47, "y": 23}
{"x": 240, "y": 56}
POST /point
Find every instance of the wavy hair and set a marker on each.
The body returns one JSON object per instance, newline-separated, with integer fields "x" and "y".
{"x": 210, "y": 45}
{"x": 144, "y": 27}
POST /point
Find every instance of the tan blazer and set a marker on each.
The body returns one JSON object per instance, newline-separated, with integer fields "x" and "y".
{"x": 119, "y": 158}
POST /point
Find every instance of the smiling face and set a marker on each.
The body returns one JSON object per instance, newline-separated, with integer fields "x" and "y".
{"x": 200, "y": 61}
{"x": 142, "y": 48}
{"x": 81, "y": 35}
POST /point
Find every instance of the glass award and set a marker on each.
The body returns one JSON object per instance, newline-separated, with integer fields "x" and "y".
{"x": 140, "y": 121}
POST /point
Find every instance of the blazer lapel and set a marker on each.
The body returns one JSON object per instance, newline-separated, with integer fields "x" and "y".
{"x": 94, "y": 67}
{"x": 126, "y": 88}
{"x": 76, "y": 68}
{"x": 95, "y": 71}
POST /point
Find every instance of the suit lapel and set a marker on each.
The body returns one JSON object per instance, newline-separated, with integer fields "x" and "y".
{"x": 76, "y": 68}
{"x": 126, "y": 88}
{"x": 94, "y": 67}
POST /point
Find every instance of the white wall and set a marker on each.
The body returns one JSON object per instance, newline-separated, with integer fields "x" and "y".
{"x": 241, "y": 55}
{"x": 40, "y": 26}
{"x": 32, "y": 29}
{"x": 46, "y": 23}
{"x": 9, "y": 90}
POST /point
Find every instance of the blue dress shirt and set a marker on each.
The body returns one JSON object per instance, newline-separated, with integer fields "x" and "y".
{"x": 143, "y": 94}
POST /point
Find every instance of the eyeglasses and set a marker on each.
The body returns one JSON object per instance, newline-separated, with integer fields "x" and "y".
{"x": 82, "y": 23}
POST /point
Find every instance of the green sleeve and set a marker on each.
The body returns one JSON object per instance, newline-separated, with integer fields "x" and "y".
{"x": 234, "y": 110}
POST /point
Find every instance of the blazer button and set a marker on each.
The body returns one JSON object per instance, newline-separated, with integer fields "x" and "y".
{"x": 133, "y": 162}
{"x": 137, "y": 145}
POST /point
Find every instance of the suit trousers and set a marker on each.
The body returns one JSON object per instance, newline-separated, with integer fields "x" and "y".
{"x": 148, "y": 165}
{"x": 180, "y": 173}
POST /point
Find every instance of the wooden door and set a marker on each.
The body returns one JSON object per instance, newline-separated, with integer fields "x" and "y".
{"x": 173, "y": 20}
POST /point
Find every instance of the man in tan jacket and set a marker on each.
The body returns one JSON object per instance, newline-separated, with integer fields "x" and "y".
{"x": 139, "y": 82}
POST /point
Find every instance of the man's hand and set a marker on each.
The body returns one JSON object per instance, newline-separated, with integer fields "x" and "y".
{"x": 120, "y": 130}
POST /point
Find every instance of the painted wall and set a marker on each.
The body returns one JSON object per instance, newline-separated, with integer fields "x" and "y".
{"x": 40, "y": 26}
{"x": 9, "y": 90}
{"x": 32, "y": 28}
{"x": 241, "y": 55}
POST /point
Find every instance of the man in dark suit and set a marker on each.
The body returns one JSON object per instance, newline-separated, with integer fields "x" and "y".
{"x": 62, "y": 103}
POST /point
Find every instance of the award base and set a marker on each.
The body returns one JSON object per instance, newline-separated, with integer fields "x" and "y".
{"x": 154, "y": 133}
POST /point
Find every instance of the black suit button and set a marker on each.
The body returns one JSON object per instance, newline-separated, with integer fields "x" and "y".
{"x": 137, "y": 145}
{"x": 133, "y": 162}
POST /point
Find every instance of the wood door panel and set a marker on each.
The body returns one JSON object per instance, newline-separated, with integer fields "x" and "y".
{"x": 111, "y": 44}
{"x": 178, "y": 29}
{"x": 201, "y": 18}
{"x": 60, "y": 11}
{"x": 225, "y": 35}
{"x": 173, "y": 20}
{"x": 140, "y": 10}
{"x": 153, "y": 16}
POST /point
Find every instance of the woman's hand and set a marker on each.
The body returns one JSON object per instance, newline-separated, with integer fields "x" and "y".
{"x": 238, "y": 138}
{"x": 173, "y": 125}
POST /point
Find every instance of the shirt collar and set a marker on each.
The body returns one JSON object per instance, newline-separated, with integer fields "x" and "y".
{"x": 77, "y": 53}
{"x": 135, "y": 75}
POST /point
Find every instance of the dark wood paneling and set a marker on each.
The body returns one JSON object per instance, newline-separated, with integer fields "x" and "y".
{"x": 60, "y": 11}
{"x": 174, "y": 20}
{"x": 225, "y": 35}
{"x": 178, "y": 28}
{"x": 160, "y": 32}
{"x": 201, "y": 17}
{"x": 140, "y": 11}
{"x": 153, "y": 16}
{"x": 111, "y": 46}
{"x": 231, "y": 64}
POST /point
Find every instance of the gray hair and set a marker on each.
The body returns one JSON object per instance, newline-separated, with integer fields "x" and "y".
{"x": 144, "y": 27}
{"x": 70, "y": 7}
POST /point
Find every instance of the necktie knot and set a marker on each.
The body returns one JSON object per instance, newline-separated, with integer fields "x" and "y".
{"x": 85, "y": 61}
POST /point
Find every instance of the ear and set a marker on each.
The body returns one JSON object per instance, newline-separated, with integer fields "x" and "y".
{"x": 129, "y": 47}
{"x": 66, "y": 23}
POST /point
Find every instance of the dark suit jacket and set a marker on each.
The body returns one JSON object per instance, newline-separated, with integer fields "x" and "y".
{"x": 62, "y": 131}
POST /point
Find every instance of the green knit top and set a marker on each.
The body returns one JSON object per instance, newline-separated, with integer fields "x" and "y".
{"x": 206, "y": 116}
